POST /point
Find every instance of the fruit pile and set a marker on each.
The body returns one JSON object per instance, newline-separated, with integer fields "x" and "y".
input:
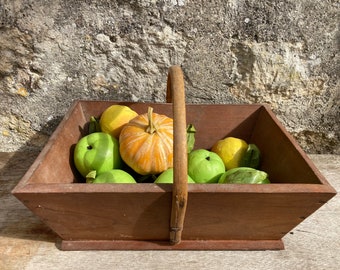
{"x": 126, "y": 147}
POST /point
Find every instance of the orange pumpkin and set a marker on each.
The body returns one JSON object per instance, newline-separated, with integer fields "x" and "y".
{"x": 146, "y": 143}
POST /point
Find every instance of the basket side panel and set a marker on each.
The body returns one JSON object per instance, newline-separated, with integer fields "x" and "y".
{"x": 95, "y": 108}
{"x": 247, "y": 216}
{"x": 215, "y": 122}
{"x": 282, "y": 157}
{"x": 103, "y": 216}
{"x": 55, "y": 165}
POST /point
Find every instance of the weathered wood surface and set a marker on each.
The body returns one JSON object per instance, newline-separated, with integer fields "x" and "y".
{"x": 26, "y": 243}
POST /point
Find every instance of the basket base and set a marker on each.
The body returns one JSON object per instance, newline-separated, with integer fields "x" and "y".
{"x": 68, "y": 245}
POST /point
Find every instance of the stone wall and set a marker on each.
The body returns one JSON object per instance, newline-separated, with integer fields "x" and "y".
{"x": 283, "y": 53}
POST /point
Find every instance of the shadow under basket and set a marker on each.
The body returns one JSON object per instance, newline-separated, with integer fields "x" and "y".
{"x": 136, "y": 216}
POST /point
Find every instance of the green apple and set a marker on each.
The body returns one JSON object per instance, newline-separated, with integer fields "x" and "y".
{"x": 112, "y": 176}
{"x": 205, "y": 166}
{"x": 97, "y": 151}
{"x": 167, "y": 177}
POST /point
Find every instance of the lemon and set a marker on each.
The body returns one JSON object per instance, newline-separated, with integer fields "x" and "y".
{"x": 231, "y": 150}
{"x": 114, "y": 118}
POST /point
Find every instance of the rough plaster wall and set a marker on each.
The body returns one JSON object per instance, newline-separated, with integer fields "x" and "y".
{"x": 284, "y": 53}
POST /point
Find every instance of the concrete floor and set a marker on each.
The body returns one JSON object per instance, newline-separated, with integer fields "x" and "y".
{"x": 26, "y": 243}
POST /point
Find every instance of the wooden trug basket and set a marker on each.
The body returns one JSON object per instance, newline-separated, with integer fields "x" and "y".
{"x": 178, "y": 216}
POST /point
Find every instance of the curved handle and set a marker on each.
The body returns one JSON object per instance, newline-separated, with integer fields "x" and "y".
{"x": 176, "y": 95}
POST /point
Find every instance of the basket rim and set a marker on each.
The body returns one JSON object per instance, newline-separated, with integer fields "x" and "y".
{"x": 276, "y": 188}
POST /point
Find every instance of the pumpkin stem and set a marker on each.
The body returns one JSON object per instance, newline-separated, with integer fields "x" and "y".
{"x": 151, "y": 128}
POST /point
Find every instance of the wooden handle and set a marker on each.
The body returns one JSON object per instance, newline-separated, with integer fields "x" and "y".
{"x": 176, "y": 95}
